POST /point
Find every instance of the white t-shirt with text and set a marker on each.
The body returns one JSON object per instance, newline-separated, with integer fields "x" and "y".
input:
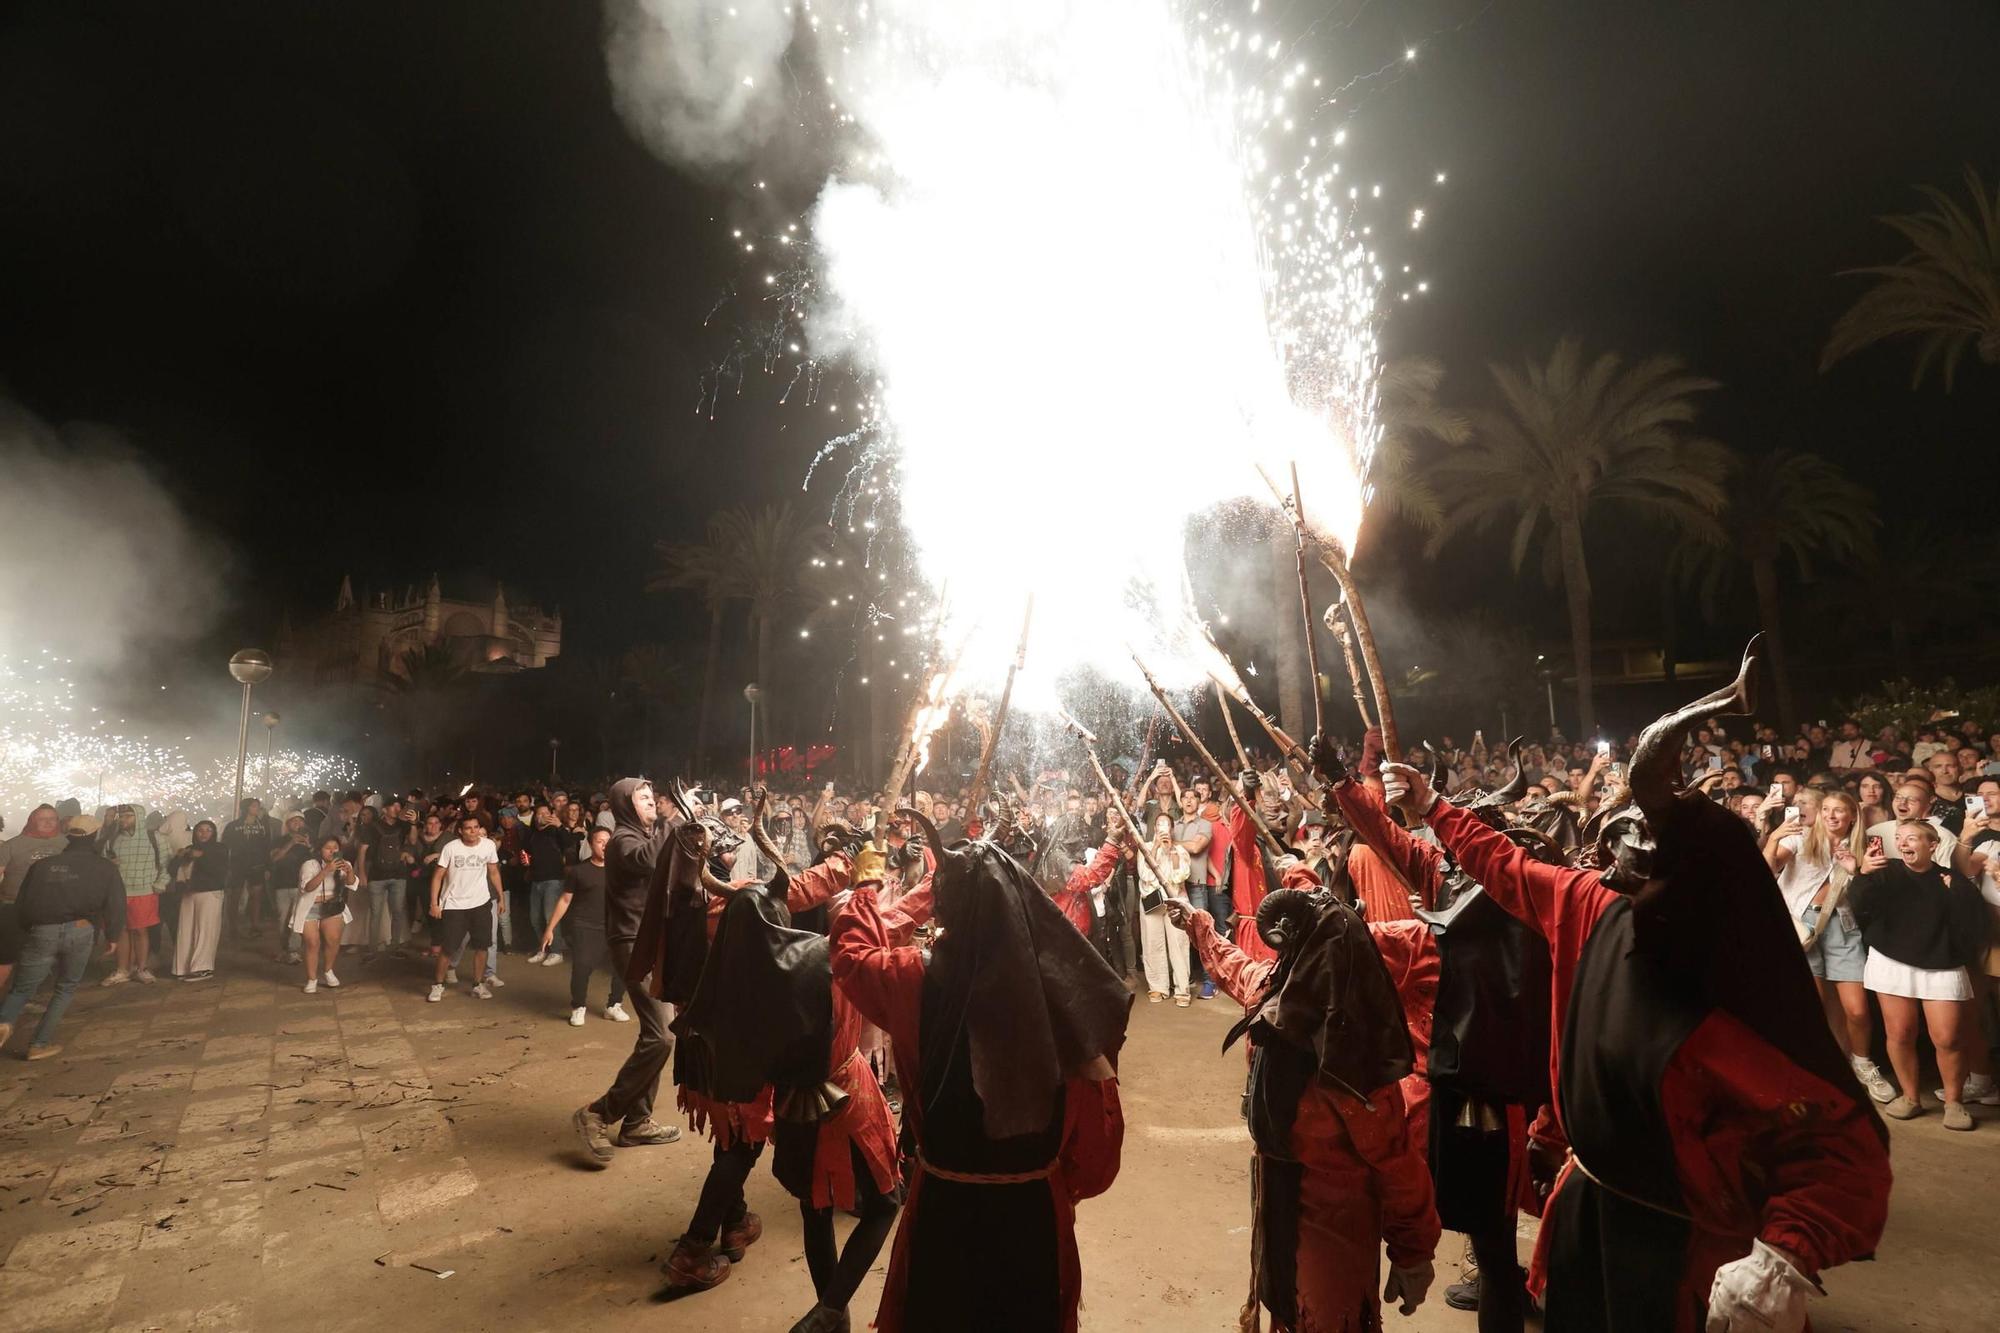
{"x": 465, "y": 873}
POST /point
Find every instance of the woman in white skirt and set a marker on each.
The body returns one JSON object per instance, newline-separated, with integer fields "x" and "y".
{"x": 321, "y": 912}
{"x": 1163, "y": 950}
{"x": 1923, "y": 925}
{"x": 199, "y": 870}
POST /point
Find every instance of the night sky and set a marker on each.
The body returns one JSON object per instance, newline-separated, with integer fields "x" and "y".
{"x": 388, "y": 287}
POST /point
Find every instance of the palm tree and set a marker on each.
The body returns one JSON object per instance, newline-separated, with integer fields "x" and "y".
{"x": 423, "y": 687}
{"x": 1945, "y": 291}
{"x": 844, "y": 587}
{"x": 707, "y": 568}
{"x": 1574, "y": 442}
{"x": 768, "y": 551}
{"x": 1785, "y": 507}
{"x": 593, "y": 686}
{"x": 651, "y": 674}
{"x": 1409, "y": 413}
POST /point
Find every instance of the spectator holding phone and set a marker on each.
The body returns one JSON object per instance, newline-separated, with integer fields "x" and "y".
{"x": 321, "y": 912}
{"x": 1924, "y": 924}
{"x": 1164, "y": 951}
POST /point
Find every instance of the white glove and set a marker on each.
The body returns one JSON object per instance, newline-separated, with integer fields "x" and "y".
{"x": 1408, "y": 1285}
{"x": 1759, "y": 1293}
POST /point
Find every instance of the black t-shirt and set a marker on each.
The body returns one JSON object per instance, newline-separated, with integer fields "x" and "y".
{"x": 386, "y": 844}
{"x": 284, "y": 870}
{"x": 249, "y": 844}
{"x": 545, "y": 853}
{"x": 584, "y": 882}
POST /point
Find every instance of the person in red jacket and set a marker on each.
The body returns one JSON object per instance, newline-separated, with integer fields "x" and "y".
{"x": 1722, "y": 1154}
{"x": 1003, "y": 1035}
{"x": 1336, "y": 1174}
{"x": 1074, "y": 897}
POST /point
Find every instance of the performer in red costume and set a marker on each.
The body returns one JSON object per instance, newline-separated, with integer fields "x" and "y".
{"x": 1074, "y": 897}
{"x": 1003, "y": 1036}
{"x": 1722, "y": 1154}
{"x": 669, "y": 963}
{"x": 1336, "y": 1173}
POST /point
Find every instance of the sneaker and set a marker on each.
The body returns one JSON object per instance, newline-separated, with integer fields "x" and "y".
{"x": 1979, "y": 1088}
{"x": 145, "y": 977}
{"x": 537, "y": 956}
{"x": 312, "y": 987}
{"x": 576, "y": 1017}
{"x": 118, "y": 978}
{"x": 491, "y": 979}
{"x": 616, "y": 1013}
{"x": 1208, "y": 990}
{"x": 736, "y": 1239}
{"x": 1154, "y": 996}
{"x": 649, "y": 1133}
{"x": 292, "y": 957}
{"x": 480, "y": 992}
{"x": 1463, "y": 1295}
{"x": 694, "y": 1267}
{"x": 596, "y": 1138}
{"x": 451, "y": 976}
{"x": 6, "y": 1031}
{"x": 44, "y": 1052}
{"x": 1955, "y": 1115}
{"x": 1902, "y": 1108}
{"x": 331, "y": 979}
{"x": 1181, "y": 1001}
{"x": 1881, "y": 1089}
{"x": 553, "y": 960}
{"x": 437, "y": 993}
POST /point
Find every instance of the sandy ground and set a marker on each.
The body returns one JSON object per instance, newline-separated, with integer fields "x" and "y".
{"x": 238, "y": 1155}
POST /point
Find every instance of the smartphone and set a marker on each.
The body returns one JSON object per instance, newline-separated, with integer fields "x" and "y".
{"x": 1875, "y": 846}
{"x": 1715, "y": 763}
{"x": 1769, "y": 751}
{"x": 1975, "y": 806}
{"x": 1791, "y": 814}
{"x": 1604, "y": 747}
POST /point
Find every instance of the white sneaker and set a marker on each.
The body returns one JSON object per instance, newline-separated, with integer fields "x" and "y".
{"x": 437, "y": 993}
{"x": 576, "y": 1017}
{"x": 492, "y": 979}
{"x": 451, "y": 976}
{"x": 331, "y": 979}
{"x": 616, "y": 1013}
{"x": 312, "y": 987}
{"x": 116, "y": 979}
{"x": 144, "y": 977}
{"x": 537, "y": 956}
{"x": 481, "y": 992}
{"x": 553, "y": 960}
{"x": 1978, "y": 1088}
{"x": 1871, "y": 1078}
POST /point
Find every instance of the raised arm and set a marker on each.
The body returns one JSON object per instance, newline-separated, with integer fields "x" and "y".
{"x": 1086, "y": 878}
{"x": 1418, "y": 864}
{"x": 882, "y": 980}
{"x": 1235, "y": 971}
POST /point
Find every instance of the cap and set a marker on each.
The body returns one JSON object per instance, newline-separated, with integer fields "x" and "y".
{"x": 731, "y": 804}
{"x": 82, "y": 826}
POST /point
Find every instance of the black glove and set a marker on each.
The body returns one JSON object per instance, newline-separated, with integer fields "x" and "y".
{"x": 1326, "y": 759}
{"x": 1250, "y": 781}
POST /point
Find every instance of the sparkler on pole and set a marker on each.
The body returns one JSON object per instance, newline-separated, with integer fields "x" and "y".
{"x": 1232, "y": 684}
{"x": 1305, "y": 601}
{"x": 1334, "y": 556}
{"x": 985, "y": 771}
{"x": 1111, "y": 795}
{"x": 1215, "y": 767}
{"x": 1222, "y": 702}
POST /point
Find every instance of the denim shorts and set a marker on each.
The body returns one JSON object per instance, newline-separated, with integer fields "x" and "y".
{"x": 1838, "y": 954}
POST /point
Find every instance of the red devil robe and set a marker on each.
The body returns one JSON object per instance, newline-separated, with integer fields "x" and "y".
{"x": 1074, "y": 896}
{"x": 1760, "y": 1147}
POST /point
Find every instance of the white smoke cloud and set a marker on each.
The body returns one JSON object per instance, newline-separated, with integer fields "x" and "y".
{"x": 97, "y": 559}
{"x": 696, "y": 80}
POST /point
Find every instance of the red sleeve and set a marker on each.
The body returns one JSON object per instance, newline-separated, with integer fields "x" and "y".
{"x": 1246, "y": 863}
{"x": 1562, "y": 904}
{"x": 882, "y": 981}
{"x": 814, "y": 885}
{"x": 1087, "y": 877}
{"x": 908, "y": 912}
{"x": 1093, "y": 1136}
{"x": 1410, "y": 953}
{"x": 1747, "y": 1121}
{"x": 1228, "y": 966}
{"x": 1416, "y": 863}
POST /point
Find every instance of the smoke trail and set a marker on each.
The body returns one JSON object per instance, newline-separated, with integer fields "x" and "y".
{"x": 696, "y": 79}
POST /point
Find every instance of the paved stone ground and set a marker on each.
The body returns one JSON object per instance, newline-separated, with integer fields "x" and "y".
{"x": 235, "y": 1154}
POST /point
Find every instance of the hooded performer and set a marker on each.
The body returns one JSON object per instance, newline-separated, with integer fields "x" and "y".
{"x": 1337, "y": 1172}
{"x": 1474, "y": 983}
{"x": 630, "y": 861}
{"x": 1723, "y": 1155}
{"x": 1003, "y": 1036}
{"x": 683, "y": 911}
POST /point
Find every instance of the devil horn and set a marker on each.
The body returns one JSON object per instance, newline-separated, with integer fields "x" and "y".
{"x": 1513, "y": 789}
{"x": 1656, "y": 763}
{"x": 923, "y": 821}
{"x": 677, "y": 792}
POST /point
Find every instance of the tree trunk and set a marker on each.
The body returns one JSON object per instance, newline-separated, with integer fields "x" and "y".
{"x": 767, "y": 706}
{"x": 710, "y": 665}
{"x": 1670, "y": 624}
{"x": 1294, "y": 703}
{"x": 1576, "y": 589}
{"x": 1764, "y": 575}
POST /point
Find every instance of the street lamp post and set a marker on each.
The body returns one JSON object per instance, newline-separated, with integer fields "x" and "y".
{"x": 753, "y": 694}
{"x": 271, "y": 721}
{"x": 554, "y": 745}
{"x": 248, "y": 668}
{"x": 1548, "y": 676}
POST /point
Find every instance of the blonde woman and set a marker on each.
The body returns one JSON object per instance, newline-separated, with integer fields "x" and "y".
{"x": 1804, "y": 853}
{"x": 321, "y": 912}
{"x": 1165, "y": 951}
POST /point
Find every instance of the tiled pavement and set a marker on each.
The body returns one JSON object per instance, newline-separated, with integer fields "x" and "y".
{"x": 195, "y": 1139}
